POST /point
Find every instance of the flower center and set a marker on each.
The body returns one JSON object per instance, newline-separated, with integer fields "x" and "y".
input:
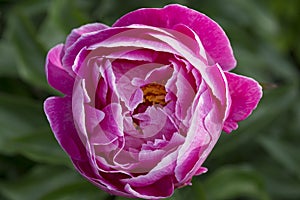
{"x": 154, "y": 94}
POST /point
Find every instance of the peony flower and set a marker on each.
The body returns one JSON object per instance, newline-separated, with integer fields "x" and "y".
{"x": 145, "y": 101}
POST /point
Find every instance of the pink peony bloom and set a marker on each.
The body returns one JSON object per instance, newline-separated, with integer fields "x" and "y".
{"x": 146, "y": 100}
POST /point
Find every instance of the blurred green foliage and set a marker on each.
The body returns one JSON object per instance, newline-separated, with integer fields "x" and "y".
{"x": 258, "y": 161}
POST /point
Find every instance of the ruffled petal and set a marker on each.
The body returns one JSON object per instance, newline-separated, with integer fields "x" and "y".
{"x": 210, "y": 33}
{"x": 57, "y": 76}
{"x": 245, "y": 95}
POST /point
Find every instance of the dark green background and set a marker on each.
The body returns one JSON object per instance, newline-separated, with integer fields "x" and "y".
{"x": 259, "y": 161}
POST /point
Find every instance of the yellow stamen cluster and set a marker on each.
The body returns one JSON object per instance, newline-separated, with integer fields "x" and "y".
{"x": 154, "y": 94}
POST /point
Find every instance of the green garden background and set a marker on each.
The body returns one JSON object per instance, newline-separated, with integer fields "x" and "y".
{"x": 261, "y": 160}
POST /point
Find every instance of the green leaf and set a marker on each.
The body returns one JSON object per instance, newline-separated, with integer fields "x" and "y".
{"x": 284, "y": 153}
{"x": 280, "y": 182}
{"x": 30, "y": 53}
{"x": 119, "y": 198}
{"x": 62, "y": 17}
{"x": 24, "y": 130}
{"x": 8, "y": 65}
{"x": 39, "y": 146}
{"x": 50, "y": 182}
{"x": 19, "y": 115}
{"x": 283, "y": 188}
{"x": 67, "y": 15}
{"x": 295, "y": 119}
{"x": 235, "y": 182}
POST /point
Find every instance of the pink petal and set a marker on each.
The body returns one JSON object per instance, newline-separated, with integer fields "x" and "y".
{"x": 57, "y": 76}
{"x": 201, "y": 170}
{"x": 217, "y": 83}
{"x": 159, "y": 74}
{"x": 141, "y": 37}
{"x": 160, "y": 189}
{"x": 191, "y": 155}
{"x": 112, "y": 124}
{"x": 93, "y": 118}
{"x": 59, "y": 114}
{"x": 86, "y": 40}
{"x": 187, "y": 31}
{"x": 165, "y": 167}
{"x": 185, "y": 94}
{"x": 107, "y": 182}
{"x": 106, "y": 89}
{"x": 79, "y": 99}
{"x": 127, "y": 89}
{"x": 134, "y": 54}
{"x": 245, "y": 95}
{"x": 210, "y": 33}
{"x": 205, "y": 129}
{"x": 80, "y": 61}
{"x": 76, "y": 33}
{"x": 112, "y": 182}
{"x": 153, "y": 121}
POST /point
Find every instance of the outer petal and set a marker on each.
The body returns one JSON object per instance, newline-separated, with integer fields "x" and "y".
{"x": 76, "y": 33}
{"x": 59, "y": 114}
{"x": 164, "y": 168}
{"x": 57, "y": 76}
{"x": 86, "y": 40}
{"x": 211, "y": 34}
{"x": 210, "y": 108}
{"x": 245, "y": 95}
{"x": 191, "y": 154}
{"x": 197, "y": 145}
{"x": 161, "y": 189}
